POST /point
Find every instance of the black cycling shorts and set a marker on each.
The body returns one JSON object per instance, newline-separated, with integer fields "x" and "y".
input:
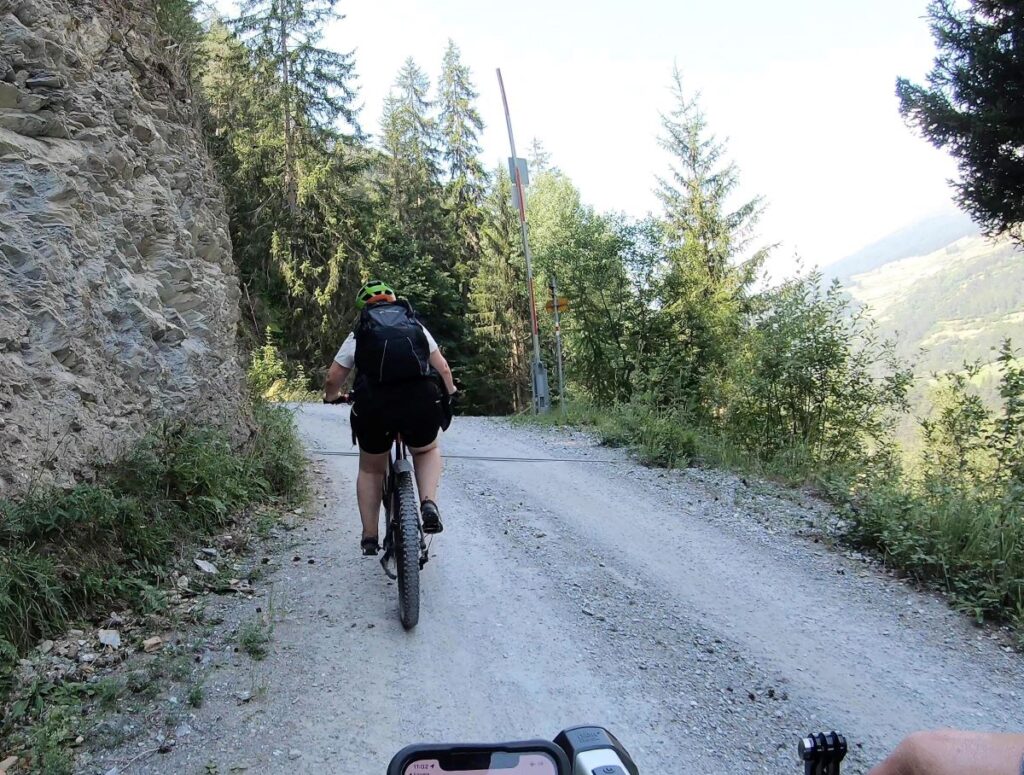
{"x": 412, "y": 409}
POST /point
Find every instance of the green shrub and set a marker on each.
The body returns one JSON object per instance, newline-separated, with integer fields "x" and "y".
{"x": 64, "y": 554}
{"x": 959, "y": 522}
{"x": 269, "y": 378}
{"x": 275, "y": 451}
{"x": 812, "y": 384}
{"x": 254, "y": 638}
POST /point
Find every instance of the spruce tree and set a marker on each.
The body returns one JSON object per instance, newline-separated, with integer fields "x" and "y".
{"x": 408, "y": 137}
{"x": 973, "y": 106}
{"x": 315, "y": 84}
{"x": 696, "y": 194}
{"x": 499, "y": 308}
{"x": 465, "y": 180}
{"x": 538, "y": 157}
{"x": 299, "y": 232}
{"x": 413, "y": 241}
{"x": 704, "y": 288}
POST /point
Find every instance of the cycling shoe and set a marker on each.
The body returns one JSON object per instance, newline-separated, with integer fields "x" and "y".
{"x": 431, "y": 517}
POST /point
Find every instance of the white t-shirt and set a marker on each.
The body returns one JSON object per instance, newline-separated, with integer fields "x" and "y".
{"x": 346, "y": 356}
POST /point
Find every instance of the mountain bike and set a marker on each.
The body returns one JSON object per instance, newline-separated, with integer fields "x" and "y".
{"x": 405, "y": 550}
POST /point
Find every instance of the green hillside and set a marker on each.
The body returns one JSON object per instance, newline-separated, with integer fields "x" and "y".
{"x": 952, "y": 305}
{"x": 918, "y": 239}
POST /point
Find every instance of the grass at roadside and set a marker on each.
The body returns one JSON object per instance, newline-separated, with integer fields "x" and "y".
{"x": 963, "y": 535}
{"x": 65, "y": 555}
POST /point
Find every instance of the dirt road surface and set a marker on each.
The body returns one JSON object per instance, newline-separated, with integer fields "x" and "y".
{"x": 694, "y": 615}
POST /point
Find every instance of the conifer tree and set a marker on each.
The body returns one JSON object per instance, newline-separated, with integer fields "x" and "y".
{"x": 499, "y": 307}
{"x": 315, "y": 84}
{"x": 972, "y": 106}
{"x": 704, "y": 289}
{"x": 465, "y": 180}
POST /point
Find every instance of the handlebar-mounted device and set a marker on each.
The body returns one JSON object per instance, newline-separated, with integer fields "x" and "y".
{"x": 822, "y": 753}
{"x": 595, "y": 751}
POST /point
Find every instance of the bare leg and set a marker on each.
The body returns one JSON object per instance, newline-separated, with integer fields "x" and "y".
{"x": 369, "y": 486}
{"x": 427, "y": 462}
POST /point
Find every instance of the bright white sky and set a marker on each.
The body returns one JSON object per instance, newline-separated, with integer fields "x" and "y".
{"x": 802, "y": 90}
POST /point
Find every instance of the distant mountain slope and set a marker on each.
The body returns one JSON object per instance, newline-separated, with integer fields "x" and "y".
{"x": 957, "y": 303}
{"x": 920, "y": 239}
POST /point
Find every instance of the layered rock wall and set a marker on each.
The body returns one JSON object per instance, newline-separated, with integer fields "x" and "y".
{"x": 118, "y": 296}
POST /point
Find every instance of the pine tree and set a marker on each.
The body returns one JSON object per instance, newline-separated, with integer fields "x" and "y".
{"x": 499, "y": 307}
{"x": 704, "y": 289}
{"x": 460, "y": 125}
{"x": 315, "y": 84}
{"x": 972, "y": 106}
{"x": 538, "y": 157}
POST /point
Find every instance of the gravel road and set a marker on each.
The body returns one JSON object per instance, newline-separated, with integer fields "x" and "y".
{"x": 704, "y": 620}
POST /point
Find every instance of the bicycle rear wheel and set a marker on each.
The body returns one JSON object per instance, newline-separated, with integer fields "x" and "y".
{"x": 407, "y": 550}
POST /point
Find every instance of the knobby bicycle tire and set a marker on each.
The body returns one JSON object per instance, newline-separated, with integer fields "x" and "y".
{"x": 407, "y": 551}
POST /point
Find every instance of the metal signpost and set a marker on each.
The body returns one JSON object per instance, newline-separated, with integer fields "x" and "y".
{"x": 541, "y": 395}
{"x": 558, "y": 305}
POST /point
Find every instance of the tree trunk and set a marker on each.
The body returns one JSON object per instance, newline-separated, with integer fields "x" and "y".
{"x": 289, "y": 138}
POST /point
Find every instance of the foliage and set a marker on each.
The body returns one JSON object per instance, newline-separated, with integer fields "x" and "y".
{"x": 297, "y": 199}
{"x": 268, "y": 375}
{"x": 500, "y": 308}
{"x": 466, "y": 182}
{"x": 66, "y": 553}
{"x": 970, "y": 106}
{"x": 960, "y": 522}
{"x": 812, "y": 377}
{"x": 704, "y": 288}
{"x": 286, "y": 34}
{"x": 583, "y": 252}
{"x": 177, "y": 20}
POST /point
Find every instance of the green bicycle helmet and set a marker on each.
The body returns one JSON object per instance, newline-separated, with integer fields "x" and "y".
{"x": 375, "y": 290}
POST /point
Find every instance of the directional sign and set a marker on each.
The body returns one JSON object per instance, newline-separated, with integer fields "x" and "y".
{"x": 563, "y": 305}
{"x": 524, "y": 176}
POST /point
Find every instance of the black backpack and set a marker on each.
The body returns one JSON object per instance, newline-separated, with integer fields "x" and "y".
{"x": 391, "y": 346}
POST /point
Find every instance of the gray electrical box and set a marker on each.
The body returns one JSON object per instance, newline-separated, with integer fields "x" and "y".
{"x": 540, "y": 387}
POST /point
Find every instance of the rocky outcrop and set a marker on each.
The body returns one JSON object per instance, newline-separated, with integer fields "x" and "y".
{"x": 118, "y": 296}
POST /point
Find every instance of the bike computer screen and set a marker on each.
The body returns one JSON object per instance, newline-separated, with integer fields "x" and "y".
{"x": 484, "y": 764}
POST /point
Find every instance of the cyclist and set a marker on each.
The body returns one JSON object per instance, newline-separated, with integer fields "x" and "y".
{"x": 396, "y": 391}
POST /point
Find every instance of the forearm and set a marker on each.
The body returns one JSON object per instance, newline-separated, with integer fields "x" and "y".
{"x": 952, "y": 752}
{"x": 337, "y": 375}
{"x": 441, "y": 365}
{"x": 449, "y": 382}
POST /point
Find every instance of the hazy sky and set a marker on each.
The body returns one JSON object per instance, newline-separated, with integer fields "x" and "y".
{"x": 802, "y": 90}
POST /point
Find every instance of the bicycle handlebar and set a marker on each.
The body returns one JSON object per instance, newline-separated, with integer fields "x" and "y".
{"x": 593, "y": 750}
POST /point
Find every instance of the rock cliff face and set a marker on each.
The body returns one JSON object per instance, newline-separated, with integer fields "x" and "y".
{"x": 118, "y": 296}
